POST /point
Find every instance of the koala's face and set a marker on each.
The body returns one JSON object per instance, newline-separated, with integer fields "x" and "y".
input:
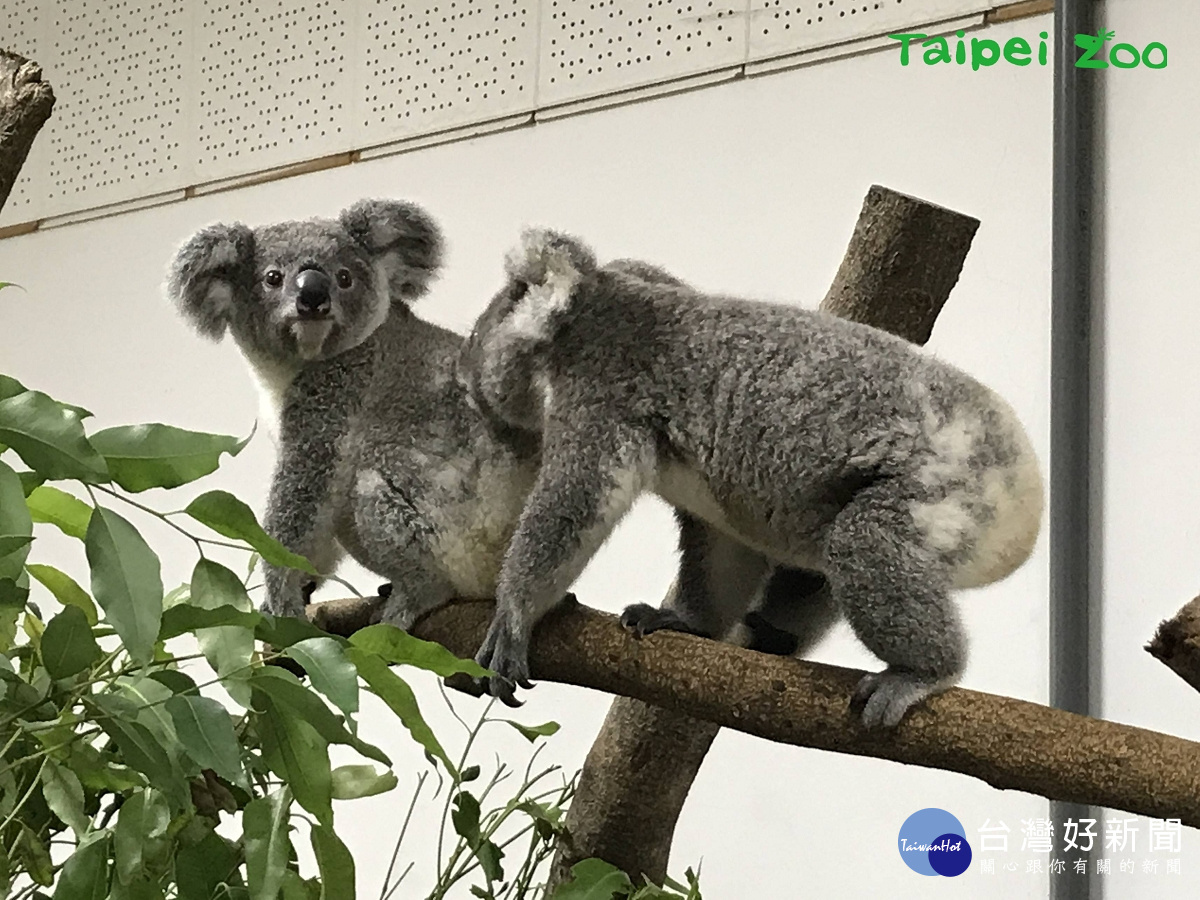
{"x": 302, "y": 291}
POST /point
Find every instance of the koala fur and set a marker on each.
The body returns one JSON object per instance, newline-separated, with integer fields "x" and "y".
{"x": 380, "y": 452}
{"x": 796, "y": 437}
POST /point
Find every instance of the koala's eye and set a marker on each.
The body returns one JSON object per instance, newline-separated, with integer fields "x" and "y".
{"x": 273, "y": 278}
{"x": 343, "y": 278}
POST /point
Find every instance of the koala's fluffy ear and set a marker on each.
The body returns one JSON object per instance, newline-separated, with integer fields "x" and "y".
{"x": 403, "y": 240}
{"x": 207, "y": 272}
{"x": 644, "y": 271}
{"x": 551, "y": 259}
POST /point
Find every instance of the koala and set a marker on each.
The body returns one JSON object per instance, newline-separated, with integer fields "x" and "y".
{"x": 381, "y": 453}
{"x": 785, "y": 436}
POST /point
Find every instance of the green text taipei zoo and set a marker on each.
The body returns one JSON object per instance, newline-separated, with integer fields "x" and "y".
{"x": 1017, "y": 51}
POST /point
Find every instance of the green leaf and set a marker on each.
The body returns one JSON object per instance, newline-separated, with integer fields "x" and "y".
{"x": 126, "y": 581}
{"x": 68, "y": 646}
{"x": 335, "y": 863}
{"x": 30, "y": 481}
{"x": 140, "y": 833}
{"x": 49, "y": 438}
{"x": 395, "y": 692}
{"x": 353, "y": 782}
{"x": 228, "y": 648}
{"x": 184, "y": 618}
{"x": 201, "y": 868}
{"x": 594, "y": 879}
{"x": 489, "y": 856}
{"x": 10, "y": 387}
{"x": 66, "y": 512}
{"x": 66, "y": 590}
{"x": 140, "y": 457}
{"x": 84, "y": 875}
{"x": 532, "y": 732}
{"x": 268, "y": 845}
{"x": 174, "y": 681}
{"x": 466, "y": 818}
{"x": 329, "y": 671}
{"x": 285, "y": 689}
{"x": 206, "y": 731}
{"x": 227, "y": 515}
{"x": 283, "y": 631}
{"x": 16, "y": 525}
{"x": 140, "y": 749}
{"x": 64, "y": 796}
{"x": 138, "y": 889}
{"x": 34, "y": 856}
{"x": 401, "y": 648}
{"x": 299, "y": 755}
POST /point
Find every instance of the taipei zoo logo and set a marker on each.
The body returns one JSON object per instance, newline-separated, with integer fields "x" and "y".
{"x": 932, "y": 842}
{"x": 1016, "y": 51}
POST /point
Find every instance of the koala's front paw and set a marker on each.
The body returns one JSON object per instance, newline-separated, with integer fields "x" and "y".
{"x": 506, "y": 654}
{"x": 641, "y": 619}
{"x": 883, "y": 698}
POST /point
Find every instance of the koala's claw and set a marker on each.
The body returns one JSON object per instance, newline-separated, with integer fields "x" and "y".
{"x": 883, "y": 698}
{"x": 508, "y": 657}
{"x": 641, "y": 619}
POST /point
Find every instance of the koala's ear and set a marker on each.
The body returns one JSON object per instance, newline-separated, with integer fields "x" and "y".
{"x": 550, "y": 258}
{"x": 644, "y": 271}
{"x": 402, "y": 239}
{"x": 206, "y": 274}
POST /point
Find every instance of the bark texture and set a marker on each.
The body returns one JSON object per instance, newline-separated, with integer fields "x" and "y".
{"x": 1177, "y": 643}
{"x": 25, "y": 105}
{"x": 1008, "y": 743}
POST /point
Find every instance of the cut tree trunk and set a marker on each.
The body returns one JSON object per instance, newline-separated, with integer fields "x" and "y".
{"x": 25, "y": 105}
{"x": 1177, "y": 643}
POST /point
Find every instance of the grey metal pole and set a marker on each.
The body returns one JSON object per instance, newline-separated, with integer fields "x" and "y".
{"x": 1073, "y": 591}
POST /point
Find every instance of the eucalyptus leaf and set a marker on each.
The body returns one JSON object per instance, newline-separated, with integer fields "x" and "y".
{"x": 64, "y": 511}
{"x": 532, "y": 732}
{"x": 594, "y": 879}
{"x": 268, "y": 845}
{"x": 206, "y": 731}
{"x": 353, "y": 782}
{"x": 126, "y": 581}
{"x": 335, "y": 864}
{"x": 141, "y": 750}
{"x": 10, "y": 387}
{"x": 401, "y": 648}
{"x": 140, "y": 457}
{"x": 49, "y": 438}
{"x": 66, "y": 590}
{"x": 64, "y": 796}
{"x": 201, "y": 868}
{"x": 15, "y": 524}
{"x": 329, "y": 671}
{"x": 30, "y": 481}
{"x": 35, "y": 856}
{"x": 299, "y": 755}
{"x": 140, "y": 833}
{"x": 227, "y": 515}
{"x": 227, "y": 647}
{"x": 84, "y": 875}
{"x": 68, "y": 646}
{"x": 395, "y": 692}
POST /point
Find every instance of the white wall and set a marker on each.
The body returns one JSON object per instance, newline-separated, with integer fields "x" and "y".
{"x": 753, "y": 187}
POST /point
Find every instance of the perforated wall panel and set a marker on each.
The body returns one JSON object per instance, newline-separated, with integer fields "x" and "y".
{"x": 157, "y": 96}
{"x": 591, "y": 47}
{"x": 21, "y": 27}
{"x": 433, "y": 66}
{"x": 119, "y": 126}
{"x": 779, "y": 27}
{"x": 273, "y": 83}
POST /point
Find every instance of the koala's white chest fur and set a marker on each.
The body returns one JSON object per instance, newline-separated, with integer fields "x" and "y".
{"x": 271, "y": 379}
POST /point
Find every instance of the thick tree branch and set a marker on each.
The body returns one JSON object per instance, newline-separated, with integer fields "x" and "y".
{"x": 25, "y": 105}
{"x": 1177, "y": 643}
{"x": 1010, "y": 744}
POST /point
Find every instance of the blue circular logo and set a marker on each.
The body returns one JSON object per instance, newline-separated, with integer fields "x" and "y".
{"x": 933, "y": 842}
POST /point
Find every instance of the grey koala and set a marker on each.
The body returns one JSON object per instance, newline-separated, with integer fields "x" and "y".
{"x": 379, "y": 455}
{"x": 380, "y": 452}
{"x": 797, "y": 437}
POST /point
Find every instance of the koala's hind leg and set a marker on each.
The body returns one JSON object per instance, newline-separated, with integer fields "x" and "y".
{"x": 797, "y": 611}
{"x": 719, "y": 581}
{"x": 894, "y": 591}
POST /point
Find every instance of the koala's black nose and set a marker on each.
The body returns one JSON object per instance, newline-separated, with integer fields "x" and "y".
{"x": 312, "y": 293}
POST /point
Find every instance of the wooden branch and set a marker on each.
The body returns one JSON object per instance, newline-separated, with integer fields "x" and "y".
{"x": 1010, "y": 744}
{"x": 1177, "y": 643}
{"x": 25, "y": 105}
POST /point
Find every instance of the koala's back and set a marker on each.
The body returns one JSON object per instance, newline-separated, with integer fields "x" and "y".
{"x": 772, "y": 417}
{"x": 427, "y": 482}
